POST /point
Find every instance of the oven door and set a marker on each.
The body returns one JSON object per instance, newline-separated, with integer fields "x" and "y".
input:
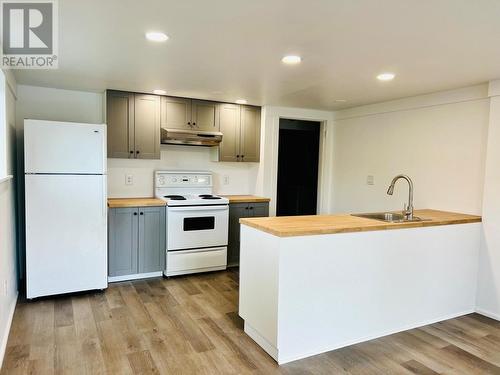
{"x": 190, "y": 227}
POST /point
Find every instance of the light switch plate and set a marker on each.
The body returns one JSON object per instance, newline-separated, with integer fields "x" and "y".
{"x": 129, "y": 179}
{"x": 370, "y": 180}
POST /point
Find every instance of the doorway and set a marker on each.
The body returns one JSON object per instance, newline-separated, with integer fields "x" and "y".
{"x": 298, "y": 157}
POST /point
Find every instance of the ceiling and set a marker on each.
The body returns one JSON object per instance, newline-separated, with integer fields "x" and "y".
{"x": 230, "y": 49}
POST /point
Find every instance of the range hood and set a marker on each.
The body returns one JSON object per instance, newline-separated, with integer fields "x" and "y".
{"x": 190, "y": 137}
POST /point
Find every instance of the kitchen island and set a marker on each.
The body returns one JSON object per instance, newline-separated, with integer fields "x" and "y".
{"x": 311, "y": 284}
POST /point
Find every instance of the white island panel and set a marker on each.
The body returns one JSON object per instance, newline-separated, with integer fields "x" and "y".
{"x": 339, "y": 289}
{"x": 258, "y": 304}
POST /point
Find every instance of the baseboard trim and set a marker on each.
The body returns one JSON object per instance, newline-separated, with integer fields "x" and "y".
{"x": 136, "y": 276}
{"x": 488, "y": 314}
{"x": 5, "y": 338}
{"x": 259, "y": 339}
{"x": 197, "y": 270}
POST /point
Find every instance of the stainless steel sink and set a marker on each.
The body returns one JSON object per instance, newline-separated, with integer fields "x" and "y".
{"x": 388, "y": 217}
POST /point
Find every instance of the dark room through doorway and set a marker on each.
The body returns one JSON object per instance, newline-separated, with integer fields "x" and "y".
{"x": 298, "y": 158}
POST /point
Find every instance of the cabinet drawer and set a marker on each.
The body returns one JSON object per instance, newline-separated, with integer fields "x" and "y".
{"x": 196, "y": 260}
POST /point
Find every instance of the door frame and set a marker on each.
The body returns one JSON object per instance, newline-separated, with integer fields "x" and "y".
{"x": 267, "y": 179}
{"x": 321, "y": 140}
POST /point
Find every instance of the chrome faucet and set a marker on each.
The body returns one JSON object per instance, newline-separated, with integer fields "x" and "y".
{"x": 408, "y": 209}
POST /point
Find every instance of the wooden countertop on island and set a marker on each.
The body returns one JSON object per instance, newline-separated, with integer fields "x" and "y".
{"x": 135, "y": 202}
{"x": 290, "y": 226}
{"x": 246, "y": 199}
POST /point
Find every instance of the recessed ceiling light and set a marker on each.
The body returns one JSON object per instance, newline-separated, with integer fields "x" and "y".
{"x": 340, "y": 100}
{"x": 159, "y": 92}
{"x": 291, "y": 59}
{"x": 156, "y": 36}
{"x": 241, "y": 101}
{"x": 386, "y": 76}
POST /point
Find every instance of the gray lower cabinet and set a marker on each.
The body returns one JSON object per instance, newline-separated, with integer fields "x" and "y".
{"x": 236, "y": 212}
{"x": 123, "y": 243}
{"x": 136, "y": 240}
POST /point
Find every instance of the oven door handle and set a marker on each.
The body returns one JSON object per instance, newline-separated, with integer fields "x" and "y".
{"x": 199, "y": 208}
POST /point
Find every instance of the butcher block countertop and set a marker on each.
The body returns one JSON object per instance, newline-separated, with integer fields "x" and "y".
{"x": 290, "y": 226}
{"x": 246, "y": 199}
{"x": 135, "y": 202}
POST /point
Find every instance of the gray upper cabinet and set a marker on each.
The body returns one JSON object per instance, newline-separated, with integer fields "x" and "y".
{"x": 136, "y": 240}
{"x": 175, "y": 113}
{"x": 240, "y": 126}
{"x": 250, "y": 134}
{"x": 123, "y": 241}
{"x": 133, "y": 122}
{"x": 147, "y": 126}
{"x": 151, "y": 239}
{"x": 189, "y": 114}
{"x": 229, "y": 121}
{"x": 204, "y": 115}
{"x": 120, "y": 119}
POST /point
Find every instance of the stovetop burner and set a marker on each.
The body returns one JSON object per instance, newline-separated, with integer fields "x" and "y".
{"x": 175, "y": 197}
{"x": 208, "y": 196}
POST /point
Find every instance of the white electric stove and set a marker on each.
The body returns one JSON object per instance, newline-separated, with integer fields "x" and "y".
{"x": 197, "y": 222}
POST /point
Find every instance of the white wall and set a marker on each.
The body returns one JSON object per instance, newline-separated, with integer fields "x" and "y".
{"x": 80, "y": 106}
{"x": 488, "y": 296}
{"x": 439, "y": 140}
{"x": 8, "y": 262}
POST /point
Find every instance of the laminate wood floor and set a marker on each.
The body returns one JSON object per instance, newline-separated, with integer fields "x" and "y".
{"x": 190, "y": 325}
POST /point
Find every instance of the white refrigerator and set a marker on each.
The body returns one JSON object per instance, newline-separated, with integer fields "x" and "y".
{"x": 66, "y": 207}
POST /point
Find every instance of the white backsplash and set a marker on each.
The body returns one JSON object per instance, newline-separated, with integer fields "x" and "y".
{"x": 240, "y": 177}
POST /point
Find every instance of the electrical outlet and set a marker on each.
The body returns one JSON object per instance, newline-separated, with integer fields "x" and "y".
{"x": 370, "y": 180}
{"x": 129, "y": 179}
{"x": 226, "y": 180}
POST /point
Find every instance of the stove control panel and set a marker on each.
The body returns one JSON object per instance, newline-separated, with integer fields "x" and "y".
{"x": 179, "y": 179}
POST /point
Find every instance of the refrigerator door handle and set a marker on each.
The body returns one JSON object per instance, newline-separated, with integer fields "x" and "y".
{"x": 105, "y": 198}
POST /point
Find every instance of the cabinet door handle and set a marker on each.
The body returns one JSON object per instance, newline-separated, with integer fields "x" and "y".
{"x": 137, "y": 152}
{"x": 242, "y": 156}
{"x": 131, "y": 151}
{"x": 142, "y": 213}
{"x": 251, "y": 207}
{"x": 246, "y": 208}
{"x": 135, "y": 213}
{"x": 194, "y": 123}
{"x": 189, "y": 122}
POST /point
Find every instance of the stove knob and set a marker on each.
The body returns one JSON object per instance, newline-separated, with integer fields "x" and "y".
{"x": 162, "y": 180}
{"x": 174, "y": 180}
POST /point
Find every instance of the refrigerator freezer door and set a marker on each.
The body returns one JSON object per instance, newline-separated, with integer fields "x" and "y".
{"x": 64, "y": 147}
{"x": 66, "y": 234}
